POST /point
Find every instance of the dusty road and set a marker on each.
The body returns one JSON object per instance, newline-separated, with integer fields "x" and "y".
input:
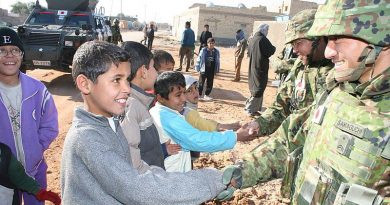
{"x": 228, "y": 104}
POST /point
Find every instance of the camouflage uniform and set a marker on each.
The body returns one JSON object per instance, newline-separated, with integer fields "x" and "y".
{"x": 302, "y": 83}
{"x": 346, "y": 151}
{"x": 116, "y": 32}
{"x": 289, "y": 110}
{"x": 283, "y": 63}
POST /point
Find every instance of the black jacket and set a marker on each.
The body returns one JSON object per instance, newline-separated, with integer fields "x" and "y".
{"x": 259, "y": 51}
{"x": 204, "y": 36}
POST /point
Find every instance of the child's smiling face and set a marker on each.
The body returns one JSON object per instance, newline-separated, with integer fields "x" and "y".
{"x": 108, "y": 95}
{"x": 176, "y": 99}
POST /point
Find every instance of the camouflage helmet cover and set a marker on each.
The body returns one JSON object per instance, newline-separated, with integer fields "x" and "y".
{"x": 298, "y": 26}
{"x": 368, "y": 20}
{"x": 116, "y": 21}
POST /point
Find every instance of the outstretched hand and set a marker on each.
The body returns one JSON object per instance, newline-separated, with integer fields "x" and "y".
{"x": 229, "y": 126}
{"x": 232, "y": 178}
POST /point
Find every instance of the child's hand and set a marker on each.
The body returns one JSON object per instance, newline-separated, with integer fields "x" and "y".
{"x": 230, "y": 126}
{"x": 172, "y": 148}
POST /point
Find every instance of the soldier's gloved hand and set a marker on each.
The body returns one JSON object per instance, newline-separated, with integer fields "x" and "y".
{"x": 44, "y": 195}
{"x": 232, "y": 177}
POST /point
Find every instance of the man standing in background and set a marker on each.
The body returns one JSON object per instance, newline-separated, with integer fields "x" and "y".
{"x": 242, "y": 43}
{"x": 187, "y": 46}
{"x": 259, "y": 51}
{"x": 206, "y": 34}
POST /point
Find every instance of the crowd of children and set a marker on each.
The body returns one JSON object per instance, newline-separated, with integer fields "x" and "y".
{"x": 115, "y": 152}
{"x": 129, "y": 143}
{"x": 155, "y": 117}
{"x": 130, "y": 140}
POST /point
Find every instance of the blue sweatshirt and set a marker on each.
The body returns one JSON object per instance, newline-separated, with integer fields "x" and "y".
{"x": 188, "y": 38}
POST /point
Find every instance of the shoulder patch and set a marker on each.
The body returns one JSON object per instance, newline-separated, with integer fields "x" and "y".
{"x": 319, "y": 114}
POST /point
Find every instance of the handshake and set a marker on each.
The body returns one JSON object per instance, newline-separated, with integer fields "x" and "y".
{"x": 248, "y": 131}
{"x": 232, "y": 178}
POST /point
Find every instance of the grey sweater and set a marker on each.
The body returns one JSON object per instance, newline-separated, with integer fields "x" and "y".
{"x": 96, "y": 169}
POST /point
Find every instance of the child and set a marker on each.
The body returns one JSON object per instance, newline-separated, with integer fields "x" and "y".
{"x": 193, "y": 117}
{"x": 13, "y": 177}
{"x": 28, "y": 116}
{"x": 169, "y": 89}
{"x": 163, "y": 61}
{"x": 207, "y": 65}
{"x": 96, "y": 163}
{"x": 137, "y": 125}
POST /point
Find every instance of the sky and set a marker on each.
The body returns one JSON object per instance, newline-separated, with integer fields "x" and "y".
{"x": 158, "y": 10}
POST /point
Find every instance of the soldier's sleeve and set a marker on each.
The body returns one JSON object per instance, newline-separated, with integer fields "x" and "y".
{"x": 273, "y": 117}
{"x": 265, "y": 162}
{"x": 268, "y": 160}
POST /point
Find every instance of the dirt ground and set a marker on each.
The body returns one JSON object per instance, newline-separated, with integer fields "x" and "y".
{"x": 227, "y": 106}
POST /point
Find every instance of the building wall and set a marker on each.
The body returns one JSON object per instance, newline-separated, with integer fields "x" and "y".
{"x": 13, "y": 19}
{"x": 178, "y": 26}
{"x": 298, "y": 6}
{"x": 223, "y": 21}
{"x": 292, "y": 7}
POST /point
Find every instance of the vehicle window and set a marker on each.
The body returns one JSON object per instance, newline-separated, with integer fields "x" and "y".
{"x": 77, "y": 20}
{"x": 43, "y": 18}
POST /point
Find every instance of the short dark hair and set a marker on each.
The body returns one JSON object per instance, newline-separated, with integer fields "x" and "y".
{"x": 161, "y": 56}
{"x": 210, "y": 40}
{"x": 238, "y": 31}
{"x": 167, "y": 81}
{"x": 139, "y": 55}
{"x": 206, "y": 25}
{"x": 95, "y": 58}
{"x": 188, "y": 23}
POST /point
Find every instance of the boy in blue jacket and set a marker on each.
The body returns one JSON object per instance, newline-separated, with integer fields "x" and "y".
{"x": 207, "y": 65}
{"x": 170, "y": 88}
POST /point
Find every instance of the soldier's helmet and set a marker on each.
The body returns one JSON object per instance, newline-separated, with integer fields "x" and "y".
{"x": 116, "y": 21}
{"x": 298, "y": 26}
{"x": 367, "y": 20}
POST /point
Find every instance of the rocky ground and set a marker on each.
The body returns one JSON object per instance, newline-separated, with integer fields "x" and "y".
{"x": 227, "y": 106}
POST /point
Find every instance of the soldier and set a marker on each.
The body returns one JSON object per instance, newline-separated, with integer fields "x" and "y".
{"x": 284, "y": 62}
{"x": 345, "y": 156}
{"x": 116, "y": 32}
{"x": 307, "y": 76}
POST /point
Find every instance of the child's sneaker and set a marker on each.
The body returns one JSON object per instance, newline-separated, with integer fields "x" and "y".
{"x": 207, "y": 98}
